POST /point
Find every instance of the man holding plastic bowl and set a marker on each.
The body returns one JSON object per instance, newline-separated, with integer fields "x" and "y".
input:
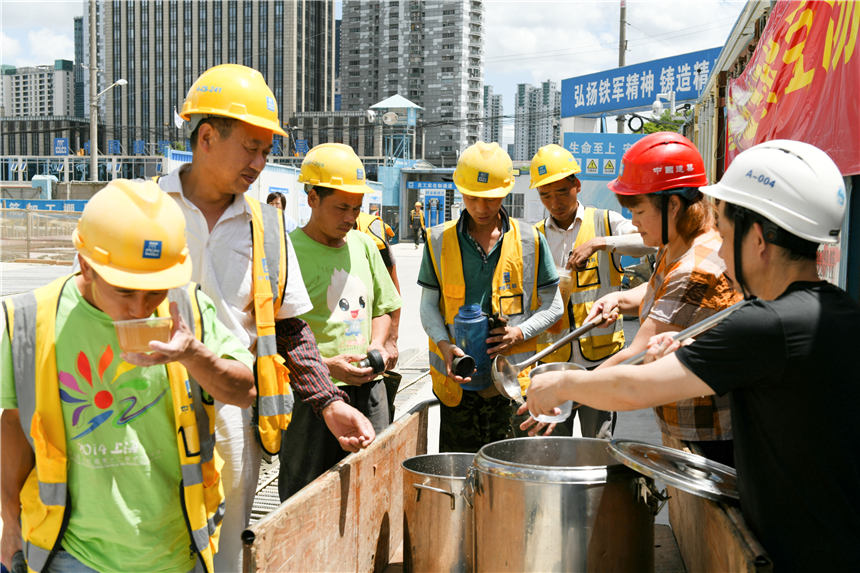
{"x": 484, "y": 263}
{"x": 108, "y": 443}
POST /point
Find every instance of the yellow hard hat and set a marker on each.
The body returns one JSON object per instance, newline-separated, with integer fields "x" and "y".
{"x": 231, "y": 90}
{"x": 418, "y": 203}
{"x": 334, "y": 165}
{"x": 133, "y": 235}
{"x": 484, "y": 170}
{"x": 552, "y": 163}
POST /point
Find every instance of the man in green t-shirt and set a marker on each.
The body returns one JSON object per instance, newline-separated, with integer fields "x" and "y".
{"x": 108, "y": 460}
{"x": 353, "y": 298}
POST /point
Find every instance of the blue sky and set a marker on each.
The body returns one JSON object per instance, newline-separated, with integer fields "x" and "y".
{"x": 525, "y": 41}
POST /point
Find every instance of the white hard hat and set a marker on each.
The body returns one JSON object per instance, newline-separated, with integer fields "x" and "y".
{"x": 793, "y": 184}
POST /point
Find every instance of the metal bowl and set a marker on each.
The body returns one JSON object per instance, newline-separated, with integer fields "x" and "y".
{"x": 566, "y": 407}
{"x": 555, "y": 367}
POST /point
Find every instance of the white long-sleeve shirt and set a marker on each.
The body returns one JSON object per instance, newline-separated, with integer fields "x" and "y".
{"x": 624, "y": 240}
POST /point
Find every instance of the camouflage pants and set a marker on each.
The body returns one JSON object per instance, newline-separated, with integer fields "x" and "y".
{"x": 475, "y": 422}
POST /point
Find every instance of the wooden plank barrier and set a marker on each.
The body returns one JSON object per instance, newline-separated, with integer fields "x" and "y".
{"x": 712, "y": 536}
{"x": 348, "y": 519}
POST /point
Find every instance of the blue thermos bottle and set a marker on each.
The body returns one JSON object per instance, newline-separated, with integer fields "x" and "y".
{"x": 471, "y": 328}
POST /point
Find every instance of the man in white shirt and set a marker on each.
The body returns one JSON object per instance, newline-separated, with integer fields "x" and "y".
{"x": 233, "y": 117}
{"x": 585, "y": 244}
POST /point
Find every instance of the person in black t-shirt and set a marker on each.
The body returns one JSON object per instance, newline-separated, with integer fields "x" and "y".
{"x": 788, "y": 360}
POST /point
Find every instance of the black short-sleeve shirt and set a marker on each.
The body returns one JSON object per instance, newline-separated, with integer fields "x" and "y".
{"x": 792, "y": 368}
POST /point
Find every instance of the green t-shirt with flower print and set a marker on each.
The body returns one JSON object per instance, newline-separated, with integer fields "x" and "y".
{"x": 124, "y": 470}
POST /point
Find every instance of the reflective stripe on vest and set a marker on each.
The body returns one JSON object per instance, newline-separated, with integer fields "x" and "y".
{"x": 274, "y": 405}
{"x": 31, "y": 318}
{"x": 514, "y": 292}
{"x": 365, "y": 223}
{"x": 600, "y": 277}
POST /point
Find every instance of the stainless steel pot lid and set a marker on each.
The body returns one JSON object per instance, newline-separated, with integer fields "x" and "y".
{"x": 688, "y": 472}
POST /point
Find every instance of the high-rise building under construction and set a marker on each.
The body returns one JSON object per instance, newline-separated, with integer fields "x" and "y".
{"x": 428, "y": 51}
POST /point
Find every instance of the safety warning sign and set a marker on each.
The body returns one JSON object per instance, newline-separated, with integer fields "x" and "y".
{"x": 599, "y": 154}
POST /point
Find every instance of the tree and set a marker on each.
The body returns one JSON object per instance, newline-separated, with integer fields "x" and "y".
{"x": 666, "y": 122}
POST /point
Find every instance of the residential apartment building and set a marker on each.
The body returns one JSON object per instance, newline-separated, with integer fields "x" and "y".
{"x": 492, "y": 119}
{"x": 39, "y": 90}
{"x": 430, "y": 52}
{"x": 37, "y": 105}
{"x": 161, "y": 46}
{"x": 537, "y": 115}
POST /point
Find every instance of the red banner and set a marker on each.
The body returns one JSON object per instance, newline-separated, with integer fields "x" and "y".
{"x": 802, "y": 82}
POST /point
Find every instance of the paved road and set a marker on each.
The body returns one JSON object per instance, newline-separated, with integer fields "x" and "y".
{"x": 21, "y": 277}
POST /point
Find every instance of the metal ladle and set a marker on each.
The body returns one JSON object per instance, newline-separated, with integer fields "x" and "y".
{"x": 505, "y": 374}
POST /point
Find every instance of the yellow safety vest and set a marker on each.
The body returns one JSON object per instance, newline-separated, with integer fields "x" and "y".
{"x": 599, "y": 277}
{"x": 375, "y": 227}
{"x": 274, "y": 408}
{"x": 415, "y": 214}
{"x": 31, "y": 319}
{"x": 514, "y": 293}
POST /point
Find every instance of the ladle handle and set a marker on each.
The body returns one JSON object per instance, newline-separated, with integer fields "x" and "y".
{"x": 694, "y": 330}
{"x": 572, "y": 335}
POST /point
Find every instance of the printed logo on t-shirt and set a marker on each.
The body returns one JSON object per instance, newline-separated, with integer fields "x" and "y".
{"x": 347, "y": 300}
{"x": 152, "y": 249}
{"x": 111, "y": 392}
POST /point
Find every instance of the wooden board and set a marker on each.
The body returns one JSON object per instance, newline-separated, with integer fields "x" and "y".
{"x": 712, "y": 536}
{"x": 348, "y": 519}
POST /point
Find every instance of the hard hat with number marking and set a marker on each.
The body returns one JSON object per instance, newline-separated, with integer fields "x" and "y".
{"x": 235, "y": 91}
{"x": 793, "y": 184}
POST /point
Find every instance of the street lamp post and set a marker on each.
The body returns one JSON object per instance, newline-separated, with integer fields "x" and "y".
{"x": 94, "y": 123}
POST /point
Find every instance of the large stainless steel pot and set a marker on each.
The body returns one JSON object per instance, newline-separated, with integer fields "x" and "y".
{"x": 559, "y": 504}
{"x": 437, "y": 523}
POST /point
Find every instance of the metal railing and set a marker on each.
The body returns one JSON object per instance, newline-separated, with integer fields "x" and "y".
{"x": 27, "y": 234}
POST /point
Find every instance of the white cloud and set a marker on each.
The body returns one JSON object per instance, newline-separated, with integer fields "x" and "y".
{"x": 38, "y": 32}
{"x": 54, "y": 14}
{"x": 45, "y": 45}
{"x": 9, "y": 48}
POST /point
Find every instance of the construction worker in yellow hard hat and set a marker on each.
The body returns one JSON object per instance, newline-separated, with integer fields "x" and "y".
{"x": 486, "y": 262}
{"x": 416, "y": 221}
{"x": 119, "y": 355}
{"x": 244, "y": 260}
{"x": 586, "y": 244}
{"x": 353, "y": 300}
